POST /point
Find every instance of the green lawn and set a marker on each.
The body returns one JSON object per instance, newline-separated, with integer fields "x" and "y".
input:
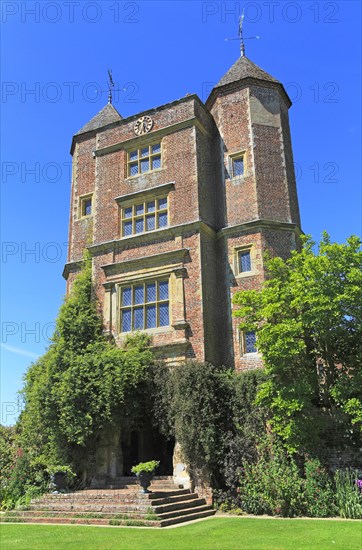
{"x": 213, "y": 534}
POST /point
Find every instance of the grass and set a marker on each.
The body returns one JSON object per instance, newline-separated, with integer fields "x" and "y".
{"x": 213, "y": 534}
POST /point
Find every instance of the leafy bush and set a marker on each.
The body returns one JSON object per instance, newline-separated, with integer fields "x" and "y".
{"x": 146, "y": 467}
{"x": 349, "y": 496}
{"x": 210, "y": 411}
{"x": 28, "y": 479}
{"x": 318, "y": 491}
{"x": 8, "y": 455}
{"x": 247, "y": 427}
{"x": 225, "y": 500}
{"x": 273, "y": 485}
{"x": 192, "y": 404}
{"x": 309, "y": 312}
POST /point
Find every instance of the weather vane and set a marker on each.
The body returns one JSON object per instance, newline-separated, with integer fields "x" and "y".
{"x": 110, "y": 86}
{"x": 241, "y": 36}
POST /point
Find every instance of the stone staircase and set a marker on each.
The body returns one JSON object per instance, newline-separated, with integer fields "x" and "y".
{"x": 117, "y": 505}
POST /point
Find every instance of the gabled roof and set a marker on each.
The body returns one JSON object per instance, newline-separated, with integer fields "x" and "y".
{"x": 106, "y": 116}
{"x": 244, "y": 68}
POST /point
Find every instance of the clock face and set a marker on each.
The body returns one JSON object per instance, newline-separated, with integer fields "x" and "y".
{"x": 143, "y": 125}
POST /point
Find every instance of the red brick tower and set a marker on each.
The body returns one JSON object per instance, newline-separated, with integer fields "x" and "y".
{"x": 258, "y": 204}
{"x": 177, "y": 206}
{"x": 194, "y": 198}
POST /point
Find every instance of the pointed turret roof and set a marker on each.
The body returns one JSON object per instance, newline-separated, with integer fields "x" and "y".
{"x": 244, "y": 68}
{"x": 106, "y": 116}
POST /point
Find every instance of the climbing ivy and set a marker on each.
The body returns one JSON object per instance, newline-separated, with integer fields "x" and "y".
{"x": 211, "y": 412}
{"x": 82, "y": 385}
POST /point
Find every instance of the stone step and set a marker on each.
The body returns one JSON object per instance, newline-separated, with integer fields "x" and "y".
{"x": 86, "y": 508}
{"x": 111, "y": 505}
{"x": 134, "y": 481}
{"x": 159, "y": 501}
{"x": 165, "y": 481}
{"x": 29, "y": 514}
{"x": 184, "y": 512}
{"x": 112, "y": 519}
{"x": 121, "y": 507}
{"x": 114, "y": 507}
{"x": 110, "y": 492}
{"x": 152, "y": 495}
{"x": 188, "y": 517}
{"x": 135, "y": 488}
{"x": 85, "y": 496}
{"x": 179, "y": 505}
{"x": 160, "y": 505}
{"x": 129, "y": 479}
{"x": 75, "y": 514}
{"x": 84, "y": 521}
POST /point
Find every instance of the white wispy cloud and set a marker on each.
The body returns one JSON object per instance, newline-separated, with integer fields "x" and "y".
{"x": 19, "y": 351}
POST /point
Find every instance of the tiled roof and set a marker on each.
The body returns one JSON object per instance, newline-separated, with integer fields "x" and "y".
{"x": 106, "y": 116}
{"x": 244, "y": 68}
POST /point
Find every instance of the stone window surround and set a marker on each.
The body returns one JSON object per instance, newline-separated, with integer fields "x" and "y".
{"x": 157, "y": 302}
{"x": 236, "y": 252}
{"x": 144, "y": 216}
{"x": 230, "y": 164}
{"x": 242, "y": 346}
{"x": 155, "y": 267}
{"x": 145, "y": 195}
{"x": 81, "y": 203}
{"x": 150, "y": 143}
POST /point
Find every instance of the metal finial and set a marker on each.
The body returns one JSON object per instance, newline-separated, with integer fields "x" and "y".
{"x": 242, "y": 45}
{"x": 110, "y": 86}
{"x": 241, "y": 36}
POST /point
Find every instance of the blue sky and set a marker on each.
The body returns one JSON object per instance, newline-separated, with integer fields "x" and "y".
{"x": 55, "y": 57}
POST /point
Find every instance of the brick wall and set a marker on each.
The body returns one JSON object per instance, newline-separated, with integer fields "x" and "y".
{"x": 232, "y": 116}
{"x": 196, "y": 149}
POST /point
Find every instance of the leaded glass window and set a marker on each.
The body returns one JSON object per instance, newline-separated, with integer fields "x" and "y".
{"x": 85, "y": 206}
{"x": 244, "y": 261}
{"x": 237, "y": 166}
{"x": 145, "y": 159}
{"x": 144, "y": 305}
{"x": 144, "y": 216}
{"x": 250, "y": 342}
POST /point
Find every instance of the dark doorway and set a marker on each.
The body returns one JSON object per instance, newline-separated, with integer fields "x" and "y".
{"x": 163, "y": 451}
{"x": 130, "y": 452}
{"x": 144, "y": 445}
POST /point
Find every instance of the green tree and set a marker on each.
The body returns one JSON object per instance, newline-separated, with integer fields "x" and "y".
{"x": 248, "y": 426}
{"x": 308, "y": 319}
{"x": 82, "y": 385}
{"x": 210, "y": 411}
{"x": 192, "y": 404}
{"x": 8, "y": 454}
